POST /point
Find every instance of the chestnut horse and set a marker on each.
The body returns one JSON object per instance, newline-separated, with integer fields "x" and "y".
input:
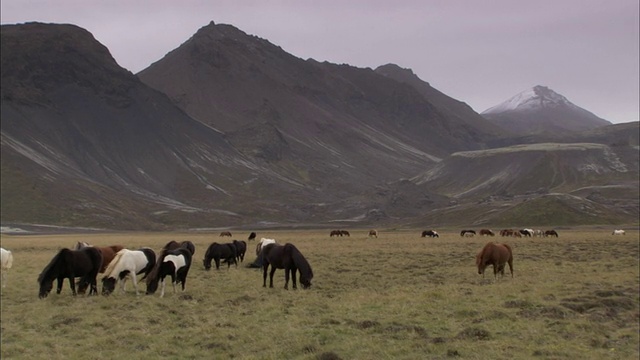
{"x": 496, "y": 255}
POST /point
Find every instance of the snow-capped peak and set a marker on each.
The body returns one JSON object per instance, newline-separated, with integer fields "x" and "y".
{"x": 531, "y": 99}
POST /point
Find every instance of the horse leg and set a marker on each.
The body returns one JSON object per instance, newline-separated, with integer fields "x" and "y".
{"x": 217, "y": 260}
{"x": 59, "y": 288}
{"x": 4, "y": 278}
{"x": 135, "y": 282}
{"x": 511, "y": 266}
{"x": 173, "y": 282}
{"x": 72, "y": 283}
{"x": 264, "y": 275}
{"x": 162, "y": 287}
{"x": 273, "y": 271}
{"x": 286, "y": 278}
{"x": 293, "y": 277}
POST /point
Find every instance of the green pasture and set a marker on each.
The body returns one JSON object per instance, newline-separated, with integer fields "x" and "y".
{"x": 399, "y": 296}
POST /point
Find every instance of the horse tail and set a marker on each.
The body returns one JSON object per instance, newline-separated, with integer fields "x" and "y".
{"x": 112, "y": 265}
{"x": 153, "y": 274}
{"x": 299, "y": 261}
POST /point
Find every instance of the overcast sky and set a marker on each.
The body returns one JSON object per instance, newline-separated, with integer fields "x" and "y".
{"x": 481, "y": 52}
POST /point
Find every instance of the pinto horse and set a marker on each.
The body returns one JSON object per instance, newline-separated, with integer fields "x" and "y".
{"x": 486, "y": 232}
{"x": 497, "y": 255}
{"x": 7, "y": 262}
{"x": 174, "y": 263}
{"x": 467, "y": 233}
{"x": 128, "y": 263}
{"x": 226, "y": 252}
{"x": 69, "y": 264}
{"x": 430, "y": 233}
{"x": 289, "y": 258}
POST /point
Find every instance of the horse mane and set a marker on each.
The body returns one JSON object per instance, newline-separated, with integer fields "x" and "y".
{"x": 52, "y": 264}
{"x": 299, "y": 261}
{"x": 113, "y": 263}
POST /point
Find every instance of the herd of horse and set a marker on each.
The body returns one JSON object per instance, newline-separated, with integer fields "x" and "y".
{"x": 117, "y": 264}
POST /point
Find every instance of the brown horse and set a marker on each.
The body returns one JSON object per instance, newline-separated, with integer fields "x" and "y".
{"x": 335, "y": 233}
{"x": 226, "y": 233}
{"x": 496, "y": 255}
{"x": 551, "y": 233}
{"x": 486, "y": 232}
{"x": 373, "y": 233}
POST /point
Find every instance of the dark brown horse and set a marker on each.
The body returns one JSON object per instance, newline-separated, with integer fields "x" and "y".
{"x": 497, "y": 255}
{"x": 226, "y": 233}
{"x": 289, "y": 258}
{"x": 335, "y": 233}
{"x": 69, "y": 264}
{"x": 551, "y": 233}
{"x": 252, "y": 236}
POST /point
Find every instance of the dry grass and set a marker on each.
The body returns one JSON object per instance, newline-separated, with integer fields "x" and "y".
{"x": 396, "y": 297}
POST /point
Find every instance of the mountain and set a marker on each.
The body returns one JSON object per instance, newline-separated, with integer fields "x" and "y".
{"x": 229, "y": 130}
{"x": 540, "y": 110}
{"x": 84, "y": 142}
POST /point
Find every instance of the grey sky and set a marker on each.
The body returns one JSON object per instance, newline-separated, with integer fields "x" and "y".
{"x": 478, "y": 51}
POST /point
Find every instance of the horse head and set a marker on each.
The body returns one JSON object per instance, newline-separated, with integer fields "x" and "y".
{"x": 45, "y": 286}
{"x": 108, "y": 285}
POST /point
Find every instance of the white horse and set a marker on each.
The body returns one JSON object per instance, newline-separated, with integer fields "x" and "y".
{"x": 7, "y": 262}
{"x": 127, "y": 263}
{"x": 262, "y": 243}
{"x": 618, "y": 232}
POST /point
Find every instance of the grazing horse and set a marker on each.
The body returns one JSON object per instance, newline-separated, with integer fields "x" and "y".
{"x": 430, "y": 233}
{"x": 526, "y": 232}
{"x": 486, "y": 232}
{"x": 175, "y": 263}
{"x": 335, "y": 233}
{"x": 128, "y": 263}
{"x": 506, "y": 232}
{"x": 289, "y": 258}
{"x": 618, "y": 232}
{"x": 467, "y": 233}
{"x": 69, "y": 264}
{"x": 551, "y": 233}
{"x": 225, "y": 233}
{"x": 241, "y": 249}
{"x": 7, "y": 262}
{"x": 227, "y": 252}
{"x": 497, "y": 255}
{"x": 373, "y": 233}
{"x": 252, "y": 236}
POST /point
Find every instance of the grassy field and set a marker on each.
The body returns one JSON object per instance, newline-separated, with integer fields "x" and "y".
{"x": 396, "y": 297}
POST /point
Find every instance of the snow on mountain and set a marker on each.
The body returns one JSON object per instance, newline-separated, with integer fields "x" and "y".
{"x": 531, "y": 99}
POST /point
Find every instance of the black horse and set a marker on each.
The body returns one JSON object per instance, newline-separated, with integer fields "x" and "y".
{"x": 84, "y": 263}
{"x": 289, "y": 258}
{"x": 252, "y": 236}
{"x": 226, "y": 252}
{"x": 241, "y": 249}
{"x": 174, "y": 263}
